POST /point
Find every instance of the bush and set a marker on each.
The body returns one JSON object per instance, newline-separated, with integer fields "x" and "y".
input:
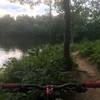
{"x": 41, "y": 68}
{"x": 89, "y": 49}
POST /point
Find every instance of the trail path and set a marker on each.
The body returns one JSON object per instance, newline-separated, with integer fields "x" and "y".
{"x": 88, "y": 72}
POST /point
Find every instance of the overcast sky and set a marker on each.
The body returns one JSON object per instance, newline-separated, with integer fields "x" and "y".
{"x": 16, "y": 9}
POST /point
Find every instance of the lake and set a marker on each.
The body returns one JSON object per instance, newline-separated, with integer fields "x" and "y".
{"x": 14, "y": 48}
{"x": 6, "y": 54}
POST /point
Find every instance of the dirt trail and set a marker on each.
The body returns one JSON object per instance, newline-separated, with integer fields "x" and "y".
{"x": 88, "y": 72}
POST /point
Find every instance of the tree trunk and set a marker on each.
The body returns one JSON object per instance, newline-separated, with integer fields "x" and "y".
{"x": 67, "y": 34}
{"x": 50, "y": 21}
{"x": 50, "y": 8}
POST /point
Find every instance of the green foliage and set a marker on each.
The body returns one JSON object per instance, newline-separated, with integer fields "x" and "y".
{"x": 33, "y": 31}
{"x": 89, "y": 49}
{"x": 43, "y": 30}
{"x": 44, "y": 68}
{"x": 30, "y": 66}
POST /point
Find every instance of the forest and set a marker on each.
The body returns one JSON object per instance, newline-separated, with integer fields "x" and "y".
{"x": 43, "y": 29}
{"x": 46, "y": 39}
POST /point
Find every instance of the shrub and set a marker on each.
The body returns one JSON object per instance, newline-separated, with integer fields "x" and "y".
{"x": 42, "y": 68}
{"x": 90, "y": 49}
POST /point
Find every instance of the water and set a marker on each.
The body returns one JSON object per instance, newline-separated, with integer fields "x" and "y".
{"x": 7, "y": 48}
{"x": 6, "y": 54}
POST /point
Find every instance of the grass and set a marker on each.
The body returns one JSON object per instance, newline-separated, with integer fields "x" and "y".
{"x": 90, "y": 50}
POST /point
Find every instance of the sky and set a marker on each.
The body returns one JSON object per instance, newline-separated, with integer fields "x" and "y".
{"x": 15, "y": 9}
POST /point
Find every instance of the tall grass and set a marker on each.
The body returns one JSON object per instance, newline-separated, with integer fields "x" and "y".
{"x": 90, "y": 50}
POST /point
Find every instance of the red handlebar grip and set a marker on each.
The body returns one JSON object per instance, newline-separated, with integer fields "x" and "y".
{"x": 9, "y": 85}
{"x": 92, "y": 84}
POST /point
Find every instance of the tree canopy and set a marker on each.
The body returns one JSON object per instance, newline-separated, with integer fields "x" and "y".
{"x": 85, "y": 25}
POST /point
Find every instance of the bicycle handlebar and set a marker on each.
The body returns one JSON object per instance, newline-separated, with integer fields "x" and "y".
{"x": 92, "y": 84}
{"x": 16, "y": 85}
{"x": 67, "y": 86}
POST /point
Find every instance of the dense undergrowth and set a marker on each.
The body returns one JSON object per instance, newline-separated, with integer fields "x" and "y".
{"x": 90, "y": 50}
{"x": 42, "y": 67}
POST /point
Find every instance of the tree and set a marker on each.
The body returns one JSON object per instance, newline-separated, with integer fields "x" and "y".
{"x": 67, "y": 34}
{"x": 49, "y": 3}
